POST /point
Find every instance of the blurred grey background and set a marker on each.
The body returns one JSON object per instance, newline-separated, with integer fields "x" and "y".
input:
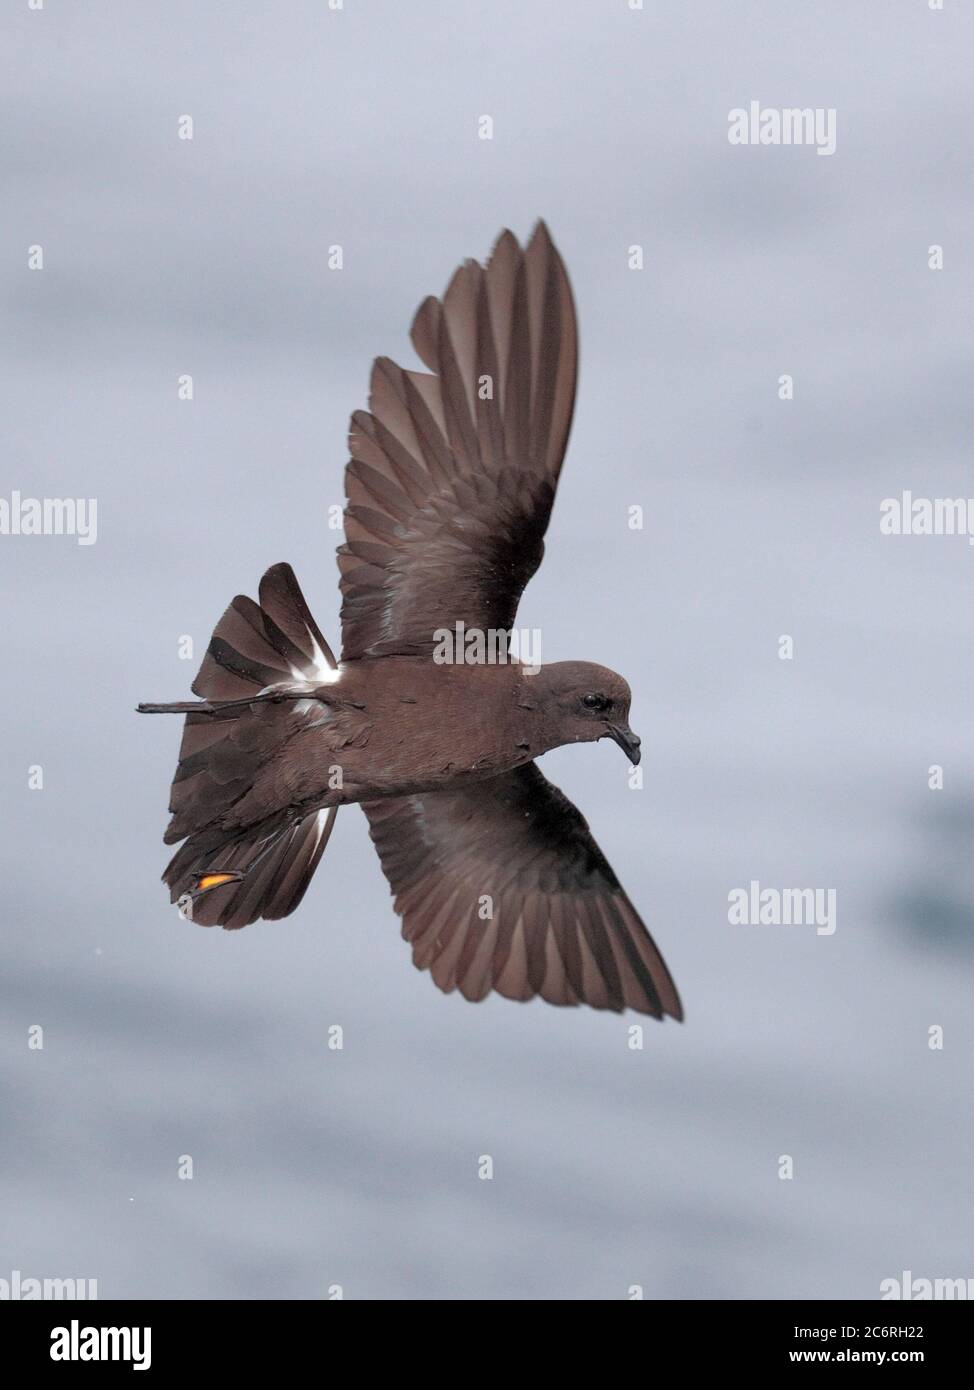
{"x": 358, "y": 127}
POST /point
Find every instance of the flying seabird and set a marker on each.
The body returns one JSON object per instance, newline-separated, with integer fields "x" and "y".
{"x": 450, "y": 487}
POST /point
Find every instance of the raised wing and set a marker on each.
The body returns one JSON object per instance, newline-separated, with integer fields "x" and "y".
{"x": 502, "y": 887}
{"x": 453, "y": 472}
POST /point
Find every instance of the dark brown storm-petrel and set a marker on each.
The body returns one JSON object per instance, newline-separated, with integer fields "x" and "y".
{"x": 450, "y": 487}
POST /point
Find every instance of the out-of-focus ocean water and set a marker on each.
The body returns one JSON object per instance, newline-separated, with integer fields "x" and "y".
{"x": 613, "y": 1166}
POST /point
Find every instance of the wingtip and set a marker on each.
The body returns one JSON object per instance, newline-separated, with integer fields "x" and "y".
{"x": 673, "y": 1005}
{"x": 542, "y": 252}
{"x": 424, "y": 330}
{"x": 282, "y": 569}
{"x": 504, "y": 240}
{"x": 541, "y": 233}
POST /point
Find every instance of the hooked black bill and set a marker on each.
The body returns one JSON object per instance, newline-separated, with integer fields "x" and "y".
{"x": 626, "y": 739}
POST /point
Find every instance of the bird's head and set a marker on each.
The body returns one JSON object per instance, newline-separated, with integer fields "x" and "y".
{"x": 586, "y": 702}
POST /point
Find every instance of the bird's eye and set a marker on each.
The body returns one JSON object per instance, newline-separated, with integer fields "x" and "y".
{"x": 600, "y": 702}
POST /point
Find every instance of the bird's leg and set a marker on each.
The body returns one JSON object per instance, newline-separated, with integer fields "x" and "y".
{"x": 217, "y": 707}
{"x": 203, "y": 882}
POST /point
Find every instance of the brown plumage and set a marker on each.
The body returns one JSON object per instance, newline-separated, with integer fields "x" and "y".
{"x": 450, "y": 487}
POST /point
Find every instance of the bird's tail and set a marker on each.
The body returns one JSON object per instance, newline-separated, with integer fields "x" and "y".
{"x": 234, "y": 867}
{"x": 220, "y": 879}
